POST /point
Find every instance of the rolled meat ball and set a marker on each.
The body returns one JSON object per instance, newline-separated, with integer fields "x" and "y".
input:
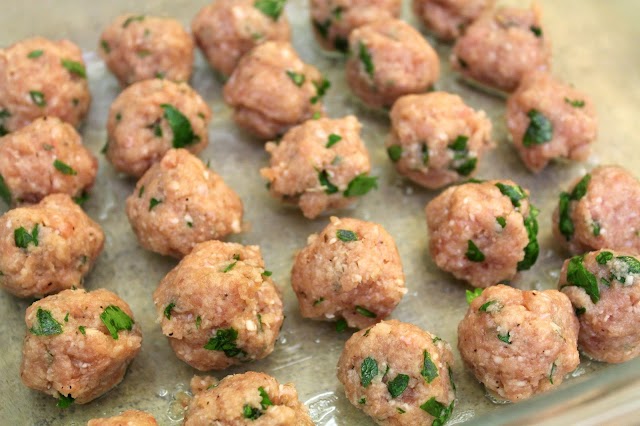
{"x": 272, "y": 90}
{"x": 483, "y": 232}
{"x": 501, "y": 46}
{"x": 219, "y": 306}
{"x": 320, "y": 165}
{"x": 519, "y": 343}
{"x": 45, "y": 157}
{"x": 179, "y": 203}
{"x": 140, "y": 47}
{"x": 333, "y": 20}
{"x": 600, "y": 211}
{"x": 78, "y": 345}
{"x": 227, "y": 29}
{"x": 398, "y": 374}
{"x": 351, "y": 271}
{"x": 149, "y": 118}
{"x": 42, "y": 78}
{"x": 390, "y": 59}
{"x": 241, "y": 399}
{"x": 47, "y": 247}
{"x": 447, "y": 19}
{"x": 436, "y": 139}
{"x": 128, "y": 418}
{"x": 548, "y": 119}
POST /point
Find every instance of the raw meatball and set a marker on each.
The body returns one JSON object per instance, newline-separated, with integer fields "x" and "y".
{"x": 48, "y": 247}
{"x": 333, "y": 20}
{"x": 139, "y": 47}
{"x": 390, "y": 59}
{"x": 272, "y": 90}
{"x": 398, "y": 374}
{"x": 447, "y": 19}
{"x": 320, "y": 165}
{"x": 219, "y": 307}
{"x": 501, "y": 46}
{"x": 149, "y": 118}
{"x": 548, "y": 119}
{"x": 351, "y": 270}
{"x": 247, "y": 399}
{"x": 179, "y": 203}
{"x": 227, "y": 29}
{"x": 436, "y": 139}
{"x": 519, "y": 343}
{"x": 42, "y": 78}
{"x": 483, "y": 232}
{"x": 600, "y": 211}
{"x": 45, "y": 157}
{"x": 128, "y": 418}
{"x": 78, "y": 345}
{"x": 604, "y": 288}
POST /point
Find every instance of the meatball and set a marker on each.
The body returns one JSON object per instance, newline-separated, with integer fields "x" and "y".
{"x": 483, "y": 232}
{"x": 390, "y": 59}
{"x": 398, "y": 374}
{"x": 227, "y": 29}
{"x": 320, "y": 165}
{"x": 139, "y": 47}
{"x": 179, "y": 203}
{"x": 240, "y": 399}
{"x": 45, "y": 157}
{"x": 548, "y": 119}
{"x": 501, "y": 46}
{"x": 600, "y": 211}
{"x": 219, "y": 306}
{"x": 128, "y": 418}
{"x": 42, "y": 78}
{"x": 447, "y": 19}
{"x": 604, "y": 288}
{"x": 436, "y": 139}
{"x": 47, "y": 247}
{"x": 272, "y": 90}
{"x": 150, "y": 117}
{"x": 78, "y": 345}
{"x": 519, "y": 343}
{"x": 333, "y": 20}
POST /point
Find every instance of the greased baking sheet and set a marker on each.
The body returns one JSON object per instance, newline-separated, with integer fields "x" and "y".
{"x": 595, "y": 48}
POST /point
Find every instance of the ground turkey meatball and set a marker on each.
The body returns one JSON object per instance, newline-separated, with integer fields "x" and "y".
{"x": 179, "y": 203}
{"x": 600, "y": 211}
{"x": 139, "y": 47}
{"x": 390, "y": 59}
{"x": 483, "y": 232}
{"x": 219, "y": 307}
{"x": 604, "y": 288}
{"x": 548, "y": 119}
{"x": 398, "y": 374}
{"x": 247, "y": 399}
{"x": 40, "y": 78}
{"x": 436, "y": 139}
{"x": 45, "y": 157}
{"x": 320, "y": 165}
{"x": 149, "y": 118}
{"x": 333, "y": 20}
{"x": 128, "y": 418}
{"x": 47, "y": 247}
{"x": 447, "y": 19}
{"x": 519, "y": 343}
{"x": 78, "y": 345}
{"x": 272, "y": 90}
{"x": 501, "y": 46}
{"x": 227, "y": 29}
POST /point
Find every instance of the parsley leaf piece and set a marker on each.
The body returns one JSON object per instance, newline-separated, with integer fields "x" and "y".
{"x": 329, "y": 188}
{"x": 82, "y": 330}
{"x": 468, "y": 166}
{"x": 230, "y": 266}
{"x": 297, "y": 78}
{"x": 321, "y": 89}
{"x": 425, "y": 154}
{"x": 5, "y": 192}
{"x": 632, "y": 267}
{"x": 105, "y": 46}
{"x": 540, "y": 129}
{"x": 341, "y": 325}
{"x": 398, "y": 385}
{"x": 429, "y": 370}
{"x": 580, "y": 190}
{"x": 225, "y": 341}
{"x": 318, "y": 301}
{"x": 537, "y": 31}
{"x": 74, "y": 67}
{"x": 64, "y": 168}
{"x": 362, "y": 401}
{"x": 23, "y": 238}
{"x": 266, "y": 401}
{"x": 564, "y": 219}
{"x": 153, "y": 203}
{"x": 360, "y": 185}
{"x": 322, "y": 27}
{"x": 333, "y": 139}
{"x": 64, "y": 401}
{"x": 167, "y": 310}
{"x": 35, "y": 54}
{"x": 365, "y": 58}
{"x": 580, "y": 311}
{"x": 395, "y": 153}
{"x": 515, "y": 193}
{"x": 438, "y": 410}
{"x": 271, "y": 8}
{"x": 250, "y": 412}
{"x": 459, "y": 144}
{"x": 552, "y": 372}
{"x": 506, "y": 338}
{"x": 141, "y": 191}
{"x": 471, "y": 295}
{"x": 577, "y": 103}
{"x": 604, "y": 257}
{"x": 365, "y": 312}
{"x": 579, "y": 276}
{"x": 486, "y": 305}
{"x": 183, "y": 134}
{"x": 198, "y": 321}
{"x": 501, "y": 221}
{"x": 346, "y": 235}
{"x": 473, "y": 252}
{"x": 532, "y": 249}
{"x": 82, "y": 198}
{"x": 131, "y": 19}
{"x": 595, "y": 229}
{"x": 115, "y": 319}
{"x": 46, "y": 324}
{"x": 38, "y": 98}
{"x": 400, "y": 410}
{"x": 267, "y": 273}
{"x": 368, "y": 370}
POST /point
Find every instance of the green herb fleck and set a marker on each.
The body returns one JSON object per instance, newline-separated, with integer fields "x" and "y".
{"x": 236, "y": 258}
{"x": 141, "y": 191}
{"x": 271, "y": 8}
{"x": 250, "y": 412}
{"x": 35, "y": 54}
{"x": 38, "y": 98}
{"x": 501, "y": 221}
{"x": 595, "y": 229}
{"x": 360, "y": 185}
{"x": 365, "y": 312}
{"x": 471, "y": 295}
{"x": 131, "y": 19}
{"x": 5, "y": 192}
{"x": 65, "y": 401}
{"x": 453, "y": 385}
{"x": 267, "y": 273}
{"x": 346, "y": 235}
{"x": 395, "y": 153}
{"x": 400, "y": 410}
{"x": 577, "y": 103}
{"x": 329, "y": 188}
{"x": 438, "y": 410}
{"x": 23, "y": 238}
{"x": 515, "y": 193}
{"x": 46, "y": 324}
{"x": 155, "y": 128}
{"x": 183, "y": 134}
{"x": 580, "y": 190}
{"x": 316, "y": 115}
{"x": 74, "y": 67}
{"x": 486, "y": 305}
{"x": 604, "y": 257}
{"x": 82, "y": 198}
{"x": 632, "y": 267}
{"x": 297, "y": 78}
{"x": 579, "y": 276}
{"x": 398, "y": 385}
{"x": 580, "y": 311}
{"x": 368, "y": 370}
{"x": 105, "y": 46}
{"x": 322, "y": 27}
{"x": 425, "y": 154}
{"x": 473, "y": 252}
{"x": 564, "y": 219}
{"x": 153, "y": 203}
{"x": 64, "y": 168}
{"x": 506, "y": 338}
{"x": 115, "y": 319}
{"x": 459, "y": 144}
{"x": 429, "y": 370}
{"x": 322, "y": 86}
{"x": 224, "y": 341}
{"x": 318, "y": 301}
{"x": 82, "y": 330}
{"x": 366, "y": 60}
{"x": 260, "y": 323}
{"x": 540, "y": 129}
{"x": 532, "y": 249}
{"x": 198, "y": 321}
{"x": 362, "y": 401}
{"x": 333, "y": 139}
{"x": 266, "y": 401}
{"x": 167, "y": 310}
{"x": 537, "y": 31}
{"x": 341, "y": 325}
{"x": 66, "y": 317}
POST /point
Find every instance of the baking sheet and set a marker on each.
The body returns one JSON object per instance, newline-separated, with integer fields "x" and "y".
{"x": 595, "y": 48}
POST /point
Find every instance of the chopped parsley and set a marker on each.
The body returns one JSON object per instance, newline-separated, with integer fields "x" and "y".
{"x": 580, "y": 190}
{"x": 333, "y": 139}
{"x": 266, "y": 401}
{"x": 318, "y": 301}
{"x": 74, "y": 67}
{"x": 115, "y": 319}
{"x": 429, "y": 370}
{"x": 395, "y": 153}
{"x": 486, "y": 305}
{"x": 580, "y": 311}
{"x": 167, "y": 310}
{"x": 368, "y": 370}
{"x": 329, "y": 188}
{"x": 82, "y": 198}
{"x": 425, "y": 154}
{"x": 362, "y": 401}
{"x": 316, "y": 115}
{"x": 365, "y": 312}
{"x": 515, "y": 193}
{"x": 5, "y": 192}
{"x": 471, "y": 295}
{"x": 398, "y": 385}
{"x": 346, "y": 235}
{"x": 66, "y": 317}
{"x": 105, "y": 46}
{"x": 438, "y": 410}
{"x": 506, "y": 338}
{"x": 341, "y": 325}
{"x": 501, "y": 221}
{"x": 632, "y": 267}
{"x": 271, "y": 8}
{"x": 579, "y": 276}
{"x": 198, "y": 321}
{"x": 453, "y": 385}
{"x": 250, "y": 412}
{"x": 463, "y": 164}
{"x": 459, "y": 144}
{"x": 64, "y": 401}
{"x": 82, "y": 330}
{"x": 141, "y": 191}
{"x": 536, "y": 30}
{"x": 236, "y": 258}
{"x": 183, "y": 134}
{"x": 577, "y": 103}
{"x": 131, "y": 19}
{"x": 366, "y": 60}
{"x": 38, "y": 98}
{"x": 604, "y": 257}
{"x": 46, "y": 324}
{"x": 297, "y": 78}
{"x": 225, "y": 341}
{"x": 595, "y": 229}
{"x": 35, "y": 54}
{"x": 540, "y": 129}
{"x": 565, "y": 223}
{"x": 360, "y": 185}
{"x": 267, "y": 273}
{"x": 532, "y": 249}
{"x": 156, "y": 128}
{"x": 400, "y": 410}
{"x": 552, "y": 372}
{"x": 321, "y": 89}
{"x": 153, "y": 203}
{"x": 23, "y": 238}
{"x": 64, "y": 168}
{"x": 473, "y": 252}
